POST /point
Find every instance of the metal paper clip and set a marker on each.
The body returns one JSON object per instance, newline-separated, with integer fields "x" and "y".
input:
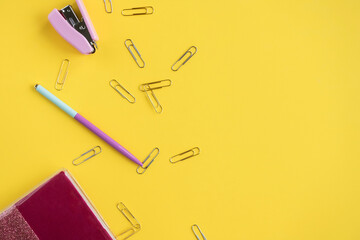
{"x": 180, "y": 157}
{"x": 194, "y": 231}
{"x": 60, "y": 81}
{"x": 178, "y": 64}
{"x": 135, "y": 225}
{"x": 138, "y": 11}
{"x": 128, "y": 46}
{"x": 155, "y": 85}
{"x": 106, "y": 6}
{"x": 96, "y": 150}
{"x": 148, "y": 89}
{"x": 154, "y": 101}
{"x": 142, "y": 169}
{"x": 118, "y": 86}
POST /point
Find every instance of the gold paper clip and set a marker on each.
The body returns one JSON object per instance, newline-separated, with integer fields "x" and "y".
{"x": 155, "y": 85}
{"x": 194, "y": 231}
{"x": 135, "y": 225}
{"x": 106, "y": 6}
{"x": 148, "y": 89}
{"x": 154, "y": 101}
{"x": 96, "y": 150}
{"x": 185, "y": 155}
{"x": 60, "y": 81}
{"x": 178, "y": 64}
{"x": 138, "y": 11}
{"x": 128, "y": 46}
{"x": 142, "y": 169}
{"x": 117, "y": 86}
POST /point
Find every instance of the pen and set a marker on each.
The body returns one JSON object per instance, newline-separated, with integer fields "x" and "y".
{"x": 86, "y": 123}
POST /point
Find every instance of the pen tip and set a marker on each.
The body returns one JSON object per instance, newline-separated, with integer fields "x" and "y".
{"x": 36, "y": 86}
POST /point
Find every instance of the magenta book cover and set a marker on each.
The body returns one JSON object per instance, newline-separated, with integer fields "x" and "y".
{"x": 56, "y": 210}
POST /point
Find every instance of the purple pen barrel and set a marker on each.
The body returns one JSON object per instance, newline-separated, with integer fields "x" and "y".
{"x": 106, "y": 138}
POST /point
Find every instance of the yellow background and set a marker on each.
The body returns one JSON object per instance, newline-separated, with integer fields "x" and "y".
{"x": 271, "y": 98}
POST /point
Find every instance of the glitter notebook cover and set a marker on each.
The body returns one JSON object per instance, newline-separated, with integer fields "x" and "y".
{"x": 57, "y": 210}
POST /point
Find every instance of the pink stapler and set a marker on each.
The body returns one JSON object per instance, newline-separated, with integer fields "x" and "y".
{"x": 80, "y": 34}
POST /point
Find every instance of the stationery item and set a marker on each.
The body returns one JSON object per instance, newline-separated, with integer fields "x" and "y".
{"x": 135, "y": 225}
{"x": 155, "y": 85}
{"x": 155, "y": 152}
{"x": 198, "y": 229}
{"x": 138, "y": 11}
{"x": 86, "y": 123}
{"x": 148, "y": 89}
{"x": 56, "y": 210}
{"x": 185, "y": 155}
{"x": 118, "y": 87}
{"x": 107, "y": 9}
{"x": 180, "y": 62}
{"x": 129, "y": 44}
{"x": 13, "y": 226}
{"x": 95, "y": 151}
{"x": 79, "y": 33}
{"x": 63, "y": 72}
{"x": 154, "y": 101}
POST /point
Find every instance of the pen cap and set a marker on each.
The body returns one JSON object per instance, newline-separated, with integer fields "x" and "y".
{"x": 51, "y": 97}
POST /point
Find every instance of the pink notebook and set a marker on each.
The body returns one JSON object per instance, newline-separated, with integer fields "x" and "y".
{"x": 57, "y": 210}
